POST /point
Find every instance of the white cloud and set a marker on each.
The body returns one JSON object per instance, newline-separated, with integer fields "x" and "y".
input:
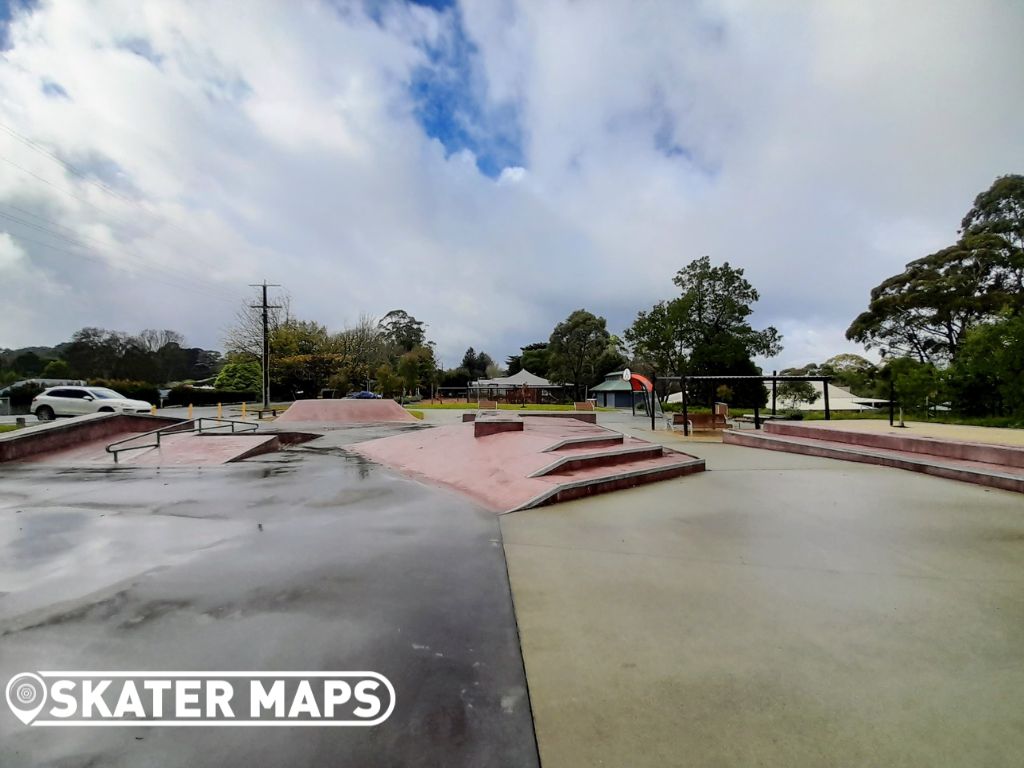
{"x": 821, "y": 146}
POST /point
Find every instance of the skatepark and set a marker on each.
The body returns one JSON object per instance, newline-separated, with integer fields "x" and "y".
{"x": 735, "y": 605}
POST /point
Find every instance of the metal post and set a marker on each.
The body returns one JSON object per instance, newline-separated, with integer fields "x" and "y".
{"x": 654, "y": 381}
{"x": 686, "y": 415}
{"x": 774, "y": 374}
{"x": 828, "y": 413}
{"x": 757, "y": 415}
{"x": 892, "y": 402}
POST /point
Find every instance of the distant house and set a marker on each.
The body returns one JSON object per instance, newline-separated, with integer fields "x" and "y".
{"x": 518, "y": 388}
{"x": 613, "y": 392}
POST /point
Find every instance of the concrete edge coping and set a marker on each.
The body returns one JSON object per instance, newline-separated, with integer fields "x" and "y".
{"x": 584, "y": 439}
{"x": 543, "y": 496}
{"x": 852, "y": 449}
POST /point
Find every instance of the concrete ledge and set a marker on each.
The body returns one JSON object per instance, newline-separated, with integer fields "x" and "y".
{"x": 612, "y": 438}
{"x": 576, "y": 489}
{"x": 59, "y": 434}
{"x": 925, "y": 465}
{"x": 467, "y": 417}
{"x": 1005, "y": 455}
{"x": 590, "y": 417}
{"x": 485, "y": 427}
{"x": 620, "y": 455}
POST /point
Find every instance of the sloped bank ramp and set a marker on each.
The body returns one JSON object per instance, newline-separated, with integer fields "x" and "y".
{"x": 346, "y": 412}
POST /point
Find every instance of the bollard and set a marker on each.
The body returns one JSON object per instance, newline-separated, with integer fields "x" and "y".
{"x": 243, "y": 410}
{"x": 20, "y": 421}
{"x": 190, "y": 410}
{"x": 219, "y": 411}
{"x": 152, "y": 410}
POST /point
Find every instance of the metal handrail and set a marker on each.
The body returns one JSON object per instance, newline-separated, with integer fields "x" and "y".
{"x": 180, "y": 427}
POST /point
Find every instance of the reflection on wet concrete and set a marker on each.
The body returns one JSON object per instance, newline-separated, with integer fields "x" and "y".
{"x": 303, "y": 559}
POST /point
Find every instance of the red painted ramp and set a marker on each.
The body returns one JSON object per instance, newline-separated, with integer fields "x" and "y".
{"x": 346, "y": 411}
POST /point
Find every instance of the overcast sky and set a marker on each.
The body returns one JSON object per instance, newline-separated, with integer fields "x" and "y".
{"x": 488, "y": 166}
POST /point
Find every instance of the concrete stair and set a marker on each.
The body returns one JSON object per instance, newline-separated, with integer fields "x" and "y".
{"x": 994, "y": 466}
{"x": 589, "y": 465}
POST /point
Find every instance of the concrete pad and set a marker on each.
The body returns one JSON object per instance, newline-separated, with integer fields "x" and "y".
{"x": 345, "y": 412}
{"x": 800, "y": 616}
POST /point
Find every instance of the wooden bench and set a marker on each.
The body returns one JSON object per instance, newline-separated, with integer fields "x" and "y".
{"x": 487, "y": 405}
{"x": 271, "y": 411}
{"x": 587, "y": 406}
{"x": 701, "y": 421}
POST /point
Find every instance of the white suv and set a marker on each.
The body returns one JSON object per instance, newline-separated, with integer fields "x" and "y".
{"x": 75, "y": 401}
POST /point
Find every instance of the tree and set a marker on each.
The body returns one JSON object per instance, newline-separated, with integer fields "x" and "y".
{"x": 926, "y": 310}
{"x": 245, "y": 335}
{"x": 28, "y": 364}
{"x": 575, "y": 346}
{"x": 402, "y": 330}
{"x": 986, "y": 377}
{"x": 792, "y": 393}
{"x": 476, "y": 363}
{"x": 706, "y": 331}
{"x": 243, "y": 376}
{"x": 57, "y": 369}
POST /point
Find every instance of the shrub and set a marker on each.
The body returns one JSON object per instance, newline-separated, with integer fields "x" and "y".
{"x": 188, "y": 395}
{"x": 136, "y": 390}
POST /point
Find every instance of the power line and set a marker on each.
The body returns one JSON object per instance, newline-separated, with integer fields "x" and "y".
{"x": 73, "y": 241}
{"x": 167, "y": 279}
{"x": 44, "y": 151}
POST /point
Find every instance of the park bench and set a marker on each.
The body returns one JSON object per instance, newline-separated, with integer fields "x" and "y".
{"x": 719, "y": 419}
{"x": 587, "y": 406}
{"x": 487, "y": 405}
{"x": 272, "y": 411}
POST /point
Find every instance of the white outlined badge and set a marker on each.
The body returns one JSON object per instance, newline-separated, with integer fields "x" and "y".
{"x": 26, "y": 696}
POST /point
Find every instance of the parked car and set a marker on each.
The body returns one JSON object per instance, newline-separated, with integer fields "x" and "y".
{"x": 364, "y": 395}
{"x": 75, "y": 401}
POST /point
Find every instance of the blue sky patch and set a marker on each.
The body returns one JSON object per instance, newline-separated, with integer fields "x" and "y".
{"x": 451, "y": 104}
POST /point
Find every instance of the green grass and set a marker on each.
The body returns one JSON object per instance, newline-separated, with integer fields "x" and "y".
{"x": 501, "y": 406}
{"x": 8, "y": 427}
{"x": 417, "y": 414}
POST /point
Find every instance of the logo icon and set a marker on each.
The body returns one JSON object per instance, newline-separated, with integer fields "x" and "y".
{"x": 26, "y": 696}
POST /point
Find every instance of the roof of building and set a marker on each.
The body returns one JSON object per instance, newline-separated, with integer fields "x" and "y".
{"x": 612, "y": 385}
{"x": 522, "y": 378}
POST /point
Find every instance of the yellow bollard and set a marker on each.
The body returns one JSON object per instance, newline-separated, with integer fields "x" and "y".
{"x": 219, "y": 412}
{"x": 243, "y": 410}
{"x": 190, "y": 410}
{"x": 152, "y": 410}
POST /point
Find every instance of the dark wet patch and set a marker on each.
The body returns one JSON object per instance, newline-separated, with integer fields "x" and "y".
{"x": 151, "y": 611}
{"x": 101, "y": 610}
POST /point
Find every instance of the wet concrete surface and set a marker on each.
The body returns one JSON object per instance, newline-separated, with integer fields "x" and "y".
{"x": 354, "y": 568}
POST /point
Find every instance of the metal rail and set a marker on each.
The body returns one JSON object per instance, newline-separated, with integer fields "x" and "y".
{"x": 197, "y": 427}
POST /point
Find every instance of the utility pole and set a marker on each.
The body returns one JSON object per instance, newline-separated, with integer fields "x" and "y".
{"x": 266, "y": 336}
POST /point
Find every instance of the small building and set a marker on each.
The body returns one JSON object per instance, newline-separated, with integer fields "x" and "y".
{"x": 613, "y": 392}
{"x": 521, "y": 387}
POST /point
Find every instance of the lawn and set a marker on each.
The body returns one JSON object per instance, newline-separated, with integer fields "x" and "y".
{"x": 8, "y": 427}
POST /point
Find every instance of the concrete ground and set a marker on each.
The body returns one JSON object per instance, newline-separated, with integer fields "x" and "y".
{"x": 353, "y": 568}
{"x": 777, "y": 610}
